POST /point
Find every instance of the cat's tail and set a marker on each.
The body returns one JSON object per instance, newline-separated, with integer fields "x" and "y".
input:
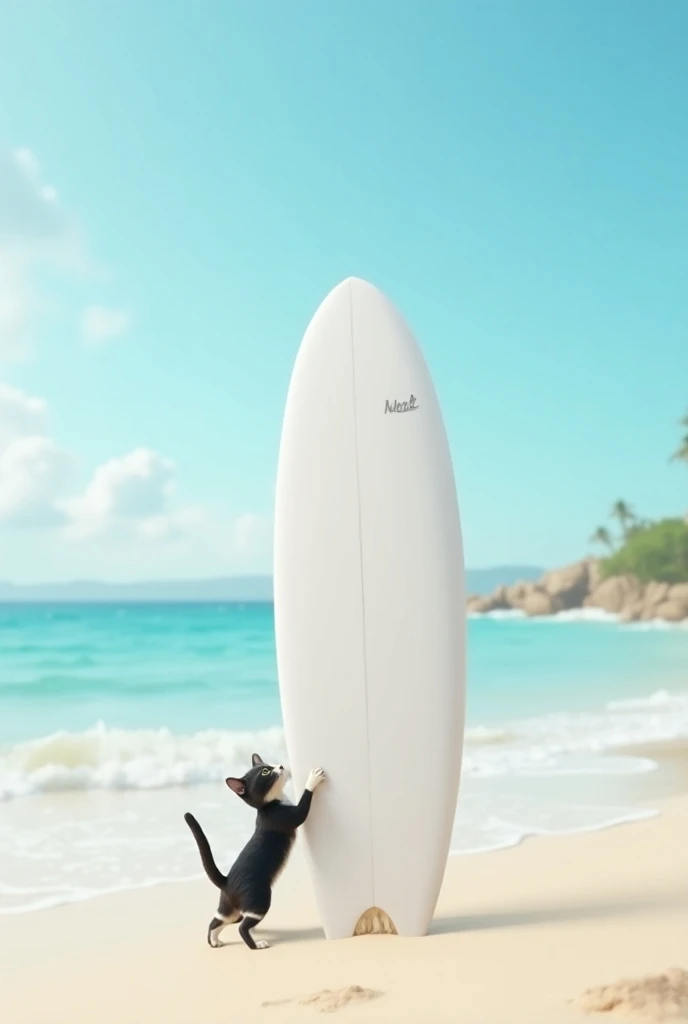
{"x": 207, "y": 859}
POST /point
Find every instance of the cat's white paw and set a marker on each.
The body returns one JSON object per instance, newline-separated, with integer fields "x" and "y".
{"x": 262, "y": 944}
{"x": 316, "y": 776}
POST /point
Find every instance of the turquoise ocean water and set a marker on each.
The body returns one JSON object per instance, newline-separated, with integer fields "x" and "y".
{"x": 116, "y": 719}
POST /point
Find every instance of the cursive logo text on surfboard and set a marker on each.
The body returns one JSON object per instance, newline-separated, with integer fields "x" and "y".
{"x": 396, "y": 406}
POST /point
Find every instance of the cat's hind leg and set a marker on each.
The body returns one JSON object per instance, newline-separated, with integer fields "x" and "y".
{"x": 248, "y": 922}
{"x": 219, "y": 922}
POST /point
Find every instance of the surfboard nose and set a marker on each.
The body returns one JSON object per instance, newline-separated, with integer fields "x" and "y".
{"x": 353, "y": 284}
{"x": 348, "y": 301}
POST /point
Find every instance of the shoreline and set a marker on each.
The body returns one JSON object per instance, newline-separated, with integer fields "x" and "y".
{"x": 637, "y": 797}
{"x": 556, "y": 744}
{"x": 39, "y": 908}
{"x": 593, "y": 616}
{"x": 515, "y": 938}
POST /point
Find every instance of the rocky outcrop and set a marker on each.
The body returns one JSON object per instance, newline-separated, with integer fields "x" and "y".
{"x": 540, "y": 602}
{"x": 670, "y": 611}
{"x": 632, "y": 612}
{"x": 614, "y": 594}
{"x": 659, "y": 601}
{"x": 516, "y": 595}
{"x": 580, "y": 585}
{"x": 569, "y": 585}
{"x": 494, "y": 602}
{"x": 655, "y": 593}
{"x": 679, "y": 592}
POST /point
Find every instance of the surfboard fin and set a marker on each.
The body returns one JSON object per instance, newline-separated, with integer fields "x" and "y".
{"x": 375, "y": 922}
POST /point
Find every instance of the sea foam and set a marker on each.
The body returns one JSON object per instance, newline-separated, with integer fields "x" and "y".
{"x": 589, "y": 615}
{"x": 104, "y": 758}
{"x": 63, "y": 852}
{"x": 148, "y": 759}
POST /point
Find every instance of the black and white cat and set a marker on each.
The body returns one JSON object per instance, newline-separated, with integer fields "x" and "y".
{"x": 246, "y": 892}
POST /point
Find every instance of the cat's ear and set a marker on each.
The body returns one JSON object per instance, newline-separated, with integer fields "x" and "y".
{"x": 237, "y": 786}
{"x": 256, "y": 759}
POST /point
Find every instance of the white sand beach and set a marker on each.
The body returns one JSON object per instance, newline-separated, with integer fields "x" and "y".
{"x": 518, "y": 936}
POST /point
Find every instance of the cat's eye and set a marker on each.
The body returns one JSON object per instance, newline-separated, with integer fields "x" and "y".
{"x": 265, "y": 771}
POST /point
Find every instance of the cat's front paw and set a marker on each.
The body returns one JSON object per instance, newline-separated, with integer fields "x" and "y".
{"x": 262, "y": 944}
{"x": 316, "y": 776}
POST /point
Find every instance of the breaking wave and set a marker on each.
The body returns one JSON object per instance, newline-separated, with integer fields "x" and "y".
{"x": 148, "y": 759}
{"x": 103, "y": 758}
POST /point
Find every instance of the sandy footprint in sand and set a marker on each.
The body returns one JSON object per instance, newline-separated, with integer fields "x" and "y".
{"x": 654, "y": 998}
{"x": 329, "y": 1000}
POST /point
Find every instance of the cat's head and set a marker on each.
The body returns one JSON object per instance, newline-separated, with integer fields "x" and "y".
{"x": 260, "y": 784}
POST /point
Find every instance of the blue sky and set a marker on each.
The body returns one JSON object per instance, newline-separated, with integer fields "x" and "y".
{"x": 181, "y": 184}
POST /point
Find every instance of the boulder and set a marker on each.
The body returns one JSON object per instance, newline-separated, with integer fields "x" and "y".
{"x": 594, "y": 574}
{"x": 483, "y": 605}
{"x": 517, "y": 594}
{"x": 539, "y": 602}
{"x": 655, "y": 593}
{"x": 679, "y": 594}
{"x": 579, "y": 585}
{"x": 568, "y": 585}
{"x": 670, "y": 611}
{"x": 615, "y": 593}
{"x": 633, "y": 612}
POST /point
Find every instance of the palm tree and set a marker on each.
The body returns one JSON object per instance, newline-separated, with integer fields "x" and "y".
{"x": 681, "y": 453}
{"x": 637, "y": 526}
{"x": 602, "y": 536}
{"x": 622, "y": 511}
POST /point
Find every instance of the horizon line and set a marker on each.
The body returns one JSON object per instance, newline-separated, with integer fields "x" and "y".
{"x": 238, "y": 578}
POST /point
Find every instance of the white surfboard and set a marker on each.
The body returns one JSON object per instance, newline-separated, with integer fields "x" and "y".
{"x": 370, "y": 614}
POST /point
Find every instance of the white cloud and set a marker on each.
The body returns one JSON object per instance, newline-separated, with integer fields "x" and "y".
{"x": 129, "y": 502}
{"x": 20, "y": 415}
{"x": 17, "y": 306}
{"x": 33, "y": 471}
{"x": 126, "y": 515}
{"x": 100, "y": 324}
{"x": 32, "y": 221}
{"x": 177, "y": 524}
{"x": 26, "y": 159}
{"x": 128, "y": 495}
{"x": 19, "y": 309}
{"x": 132, "y": 490}
{"x": 124, "y": 523}
{"x": 35, "y": 231}
{"x": 251, "y": 535}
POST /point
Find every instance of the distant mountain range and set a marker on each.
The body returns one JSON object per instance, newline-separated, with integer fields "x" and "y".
{"x": 484, "y": 581}
{"x": 223, "y": 589}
